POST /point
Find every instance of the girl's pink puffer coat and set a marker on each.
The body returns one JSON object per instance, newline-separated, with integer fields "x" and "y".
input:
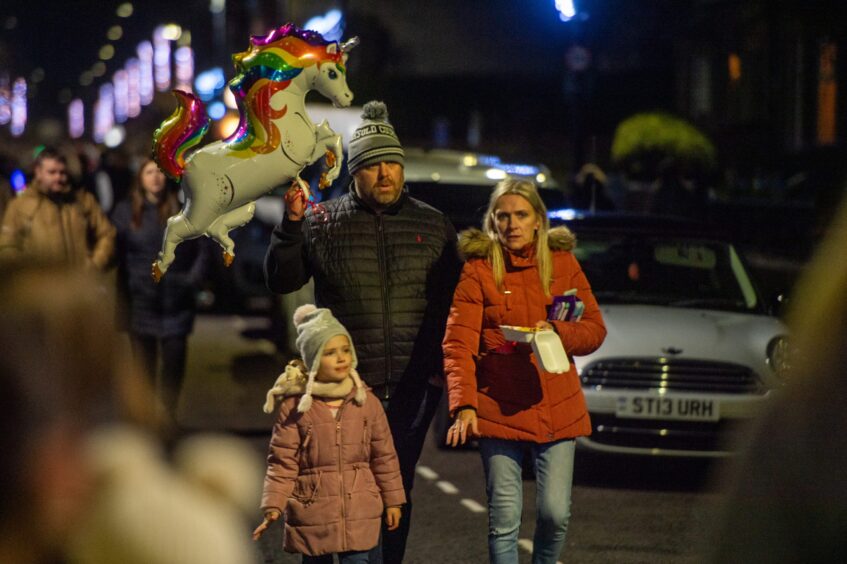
{"x": 333, "y": 476}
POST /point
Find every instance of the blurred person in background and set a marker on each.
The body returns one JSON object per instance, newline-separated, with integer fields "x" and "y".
{"x": 159, "y": 317}
{"x": 6, "y": 195}
{"x": 498, "y": 390}
{"x": 113, "y": 179}
{"x": 787, "y": 495}
{"x": 84, "y": 478}
{"x": 52, "y": 220}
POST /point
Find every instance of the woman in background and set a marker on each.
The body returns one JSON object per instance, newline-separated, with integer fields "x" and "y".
{"x": 159, "y": 317}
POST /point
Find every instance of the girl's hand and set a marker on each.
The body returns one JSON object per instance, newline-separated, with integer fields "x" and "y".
{"x": 270, "y": 517}
{"x": 463, "y": 428}
{"x": 544, "y": 326}
{"x": 392, "y": 517}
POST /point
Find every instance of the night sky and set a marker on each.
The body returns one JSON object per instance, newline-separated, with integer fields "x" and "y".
{"x": 64, "y": 38}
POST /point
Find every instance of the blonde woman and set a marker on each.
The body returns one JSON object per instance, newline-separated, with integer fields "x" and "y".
{"x": 498, "y": 391}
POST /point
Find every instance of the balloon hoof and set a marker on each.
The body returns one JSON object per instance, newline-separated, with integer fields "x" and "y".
{"x": 157, "y": 273}
{"x": 228, "y": 258}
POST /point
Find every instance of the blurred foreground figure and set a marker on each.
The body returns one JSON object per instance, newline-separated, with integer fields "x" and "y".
{"x": 788, "y": 496}
{"x": 83, "y": 478}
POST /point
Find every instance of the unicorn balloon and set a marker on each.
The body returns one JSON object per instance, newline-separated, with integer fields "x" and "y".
{"x": 275, "y": 139}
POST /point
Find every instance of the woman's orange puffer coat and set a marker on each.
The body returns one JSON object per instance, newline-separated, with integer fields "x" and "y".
{"x": 513, "y": 396}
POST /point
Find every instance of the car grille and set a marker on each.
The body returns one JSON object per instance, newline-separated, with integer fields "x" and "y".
{"x": 671, "y": 374}
{"x": 701, "y": 436}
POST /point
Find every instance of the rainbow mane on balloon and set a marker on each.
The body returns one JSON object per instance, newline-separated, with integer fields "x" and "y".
{"x": 275, "y": 139}
{"x": 267, "y": 67}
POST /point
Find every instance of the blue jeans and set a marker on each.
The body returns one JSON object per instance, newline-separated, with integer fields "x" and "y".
{"x": 351, "y": 557}
{"x": 553, "y": 464}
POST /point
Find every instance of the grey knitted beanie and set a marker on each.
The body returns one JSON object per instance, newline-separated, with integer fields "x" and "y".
{"x": 374, "y": 140}
{"x": 315, "y": 326}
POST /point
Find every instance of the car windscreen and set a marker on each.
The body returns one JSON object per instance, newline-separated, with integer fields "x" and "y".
{"x": 465, "y": 204}
{"x": 668, "y": 271}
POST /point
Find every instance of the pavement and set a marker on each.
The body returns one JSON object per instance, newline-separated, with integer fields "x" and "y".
{"x": 231, "y": 365}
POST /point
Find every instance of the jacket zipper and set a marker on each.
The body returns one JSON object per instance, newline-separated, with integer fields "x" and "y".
{"x": 307, "y": 438}
{"x": 365, "y": 440}
{"x": 64, "y": 221}
{"x": 386, "y": 302}
{"x": 341, "y": 478}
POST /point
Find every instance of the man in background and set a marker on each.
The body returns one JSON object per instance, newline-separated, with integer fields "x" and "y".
{"x": 53, "y": 221}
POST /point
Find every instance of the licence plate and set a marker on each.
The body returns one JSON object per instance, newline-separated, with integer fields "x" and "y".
{"x": 664, "y": 407}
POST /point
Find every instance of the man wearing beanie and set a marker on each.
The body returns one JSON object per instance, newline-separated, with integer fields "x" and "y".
{"x": 386, "y": 264}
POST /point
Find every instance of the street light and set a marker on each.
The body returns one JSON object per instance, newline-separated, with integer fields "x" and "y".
{"x": 567, "y": 9}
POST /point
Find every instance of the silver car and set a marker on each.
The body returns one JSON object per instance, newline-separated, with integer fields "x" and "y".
{"x": 692, "y": 351}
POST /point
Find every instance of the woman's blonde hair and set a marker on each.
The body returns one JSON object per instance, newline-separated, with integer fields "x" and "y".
{"x": 529, "y": 192}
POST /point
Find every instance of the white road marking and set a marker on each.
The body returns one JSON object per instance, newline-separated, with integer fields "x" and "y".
{"x": 447, "y": 487}
{"x": 473, "y": 505}
{"x": 426, "y": 472}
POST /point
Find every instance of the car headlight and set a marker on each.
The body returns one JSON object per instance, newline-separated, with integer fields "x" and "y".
{"x": 779, "y": 356}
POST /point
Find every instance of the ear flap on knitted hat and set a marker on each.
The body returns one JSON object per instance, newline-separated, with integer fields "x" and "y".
{"x": 306, "y": 401}
{"x": 361, "y": 394}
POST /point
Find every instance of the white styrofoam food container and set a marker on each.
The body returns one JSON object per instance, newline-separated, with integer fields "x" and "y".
{"x": 546, "y": 345}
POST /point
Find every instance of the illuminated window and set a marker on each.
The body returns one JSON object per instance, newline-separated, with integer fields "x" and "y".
{"x": 104, "y": 112}
{"x": 76, "y": 118}
{"x": 145, "y": 72}
{"x": 5, "y": 100}
{"x": 734, "y": 67}
{"x": 161, "y": 60}
{"x": 827, "y": 93}
{"x": 19, "y": 109}
{"x": 121, "y": 95}
{"x": 184, "y": 71}
{"x": 133, "y": 72}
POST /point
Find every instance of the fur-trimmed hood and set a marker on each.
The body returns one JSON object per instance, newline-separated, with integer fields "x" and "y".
{"x": 474, "y": 243}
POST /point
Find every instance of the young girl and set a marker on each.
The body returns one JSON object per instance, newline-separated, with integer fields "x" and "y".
{"x": 331, "y": 463}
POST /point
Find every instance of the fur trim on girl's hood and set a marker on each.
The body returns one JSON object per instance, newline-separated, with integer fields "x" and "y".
{"x": 473, "y": 243}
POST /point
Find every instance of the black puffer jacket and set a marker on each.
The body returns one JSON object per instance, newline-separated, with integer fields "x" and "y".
{"x": 388, "y": 277}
